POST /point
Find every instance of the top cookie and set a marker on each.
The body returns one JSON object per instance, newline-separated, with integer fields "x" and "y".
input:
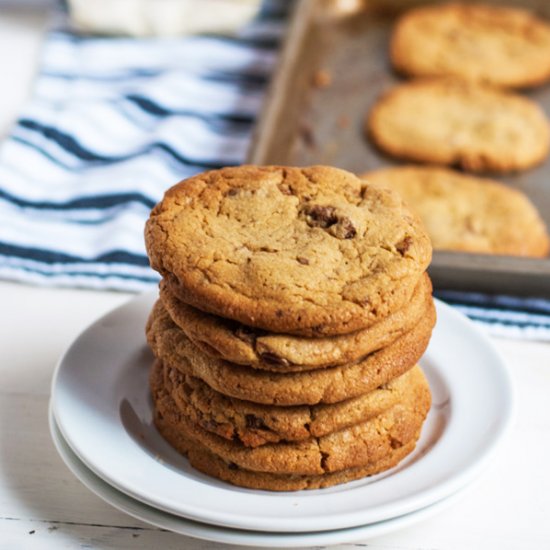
{"x": 293, "y": 250}
{"x": 462, "y": 212}
{"x": 449, "y": 121}
{"x": 505, "y": 47}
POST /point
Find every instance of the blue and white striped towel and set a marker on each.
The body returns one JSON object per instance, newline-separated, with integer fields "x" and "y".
{"x": 506, "y": 316}
{"x": 112, "y": 123}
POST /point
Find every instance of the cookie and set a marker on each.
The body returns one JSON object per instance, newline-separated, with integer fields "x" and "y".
{"x": 327, "y": 385}
{"x": 253, "y": 424}
{"x": 210, "y": 464}
{"x": 244, "y": 345}
{"x": 309, "y": 251}
{"x": 500, "y": 46}
{"x": 445, "y": 121}
{"x": 359, "y": 445}
{"x": 467, "y": 213}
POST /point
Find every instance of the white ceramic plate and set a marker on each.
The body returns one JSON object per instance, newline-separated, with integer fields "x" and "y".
{"x": 101, "y": 403}
{"x": 204, "y": 531}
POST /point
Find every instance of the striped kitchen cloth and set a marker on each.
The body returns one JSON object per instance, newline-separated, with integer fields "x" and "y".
{"x": 506, "y": 316}
{"x": 113, "y": 122}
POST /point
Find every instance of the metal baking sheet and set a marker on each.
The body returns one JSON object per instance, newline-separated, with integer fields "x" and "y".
{"x": 333, "y": 67}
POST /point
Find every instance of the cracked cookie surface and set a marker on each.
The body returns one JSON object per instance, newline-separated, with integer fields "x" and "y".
{"x": 245, "y": 345}
{"x": 309, "y": 251}
{"x": 450, "y": 122}
{"x": 501, "y": 46}
{"x": 253, "y": 424}
{"x": 209, "y": 463}
{"x": 356, "y": 446}
{"x": 325, "y": 385}
{"x": 462, "y": 212}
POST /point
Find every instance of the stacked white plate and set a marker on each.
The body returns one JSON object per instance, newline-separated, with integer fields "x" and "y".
{"x": 101, "y": 424}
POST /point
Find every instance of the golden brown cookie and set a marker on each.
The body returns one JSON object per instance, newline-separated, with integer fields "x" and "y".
{"x": 501, "y": 46}
{"x": 445, "y": 121}
{"x": 327, "y": 385}
{"x": 244, "y": 345}
{"x": 208, "y": 463}
{"x": 356, "y": 446}
{"x": 467, "y": 213}
{"x": 253, "y": 424}
{"x": 309, "y": 251}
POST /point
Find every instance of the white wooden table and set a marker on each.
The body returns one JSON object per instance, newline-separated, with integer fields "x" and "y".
{"x": 42, "y": 506}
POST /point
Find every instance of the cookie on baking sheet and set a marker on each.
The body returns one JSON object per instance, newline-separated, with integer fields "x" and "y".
{"x": 356, "y": 446}
{"x": 463, "y": 212}
{"x": 209, "y": 463}
{"x": 446, "y": 121}
{"x": 253, "y": 424}
{"x": 501, "y": 46}
{"x": 286, "y": 353}
{"x": 309, "y": 251}
{"x": 326, "y": 385}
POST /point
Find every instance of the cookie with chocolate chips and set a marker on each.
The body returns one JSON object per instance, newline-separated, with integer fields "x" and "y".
{"x": 356, "y": 446}
{"x": 307, "y": 251}
{"x": 325, "y": 385}
{"x": 232, "y": 341}
{"x": 209, "y": 463}
{"x": 253, "y": 424}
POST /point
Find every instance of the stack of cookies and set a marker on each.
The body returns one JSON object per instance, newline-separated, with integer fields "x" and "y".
{"x": 293, "y": 309}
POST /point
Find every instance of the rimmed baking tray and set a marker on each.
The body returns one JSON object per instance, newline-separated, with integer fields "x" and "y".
{"x": 333, "y": 67}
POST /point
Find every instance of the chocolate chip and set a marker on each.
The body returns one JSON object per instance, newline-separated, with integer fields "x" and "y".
{"x": 344, "y": 230}
{"x": 404, "y": 245}
{"x": 327, "y": 217}
{"x": 302, "y": 260}
{"x": 320, "y": 216}
{"x": 231, "y": 192}
{"x": 395, "y": 443}
{"x": 274, "y": 359}
{"x": 255, "y": 423}
{"x": 279, "y": 313}
{"x": 232, "y": 466}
